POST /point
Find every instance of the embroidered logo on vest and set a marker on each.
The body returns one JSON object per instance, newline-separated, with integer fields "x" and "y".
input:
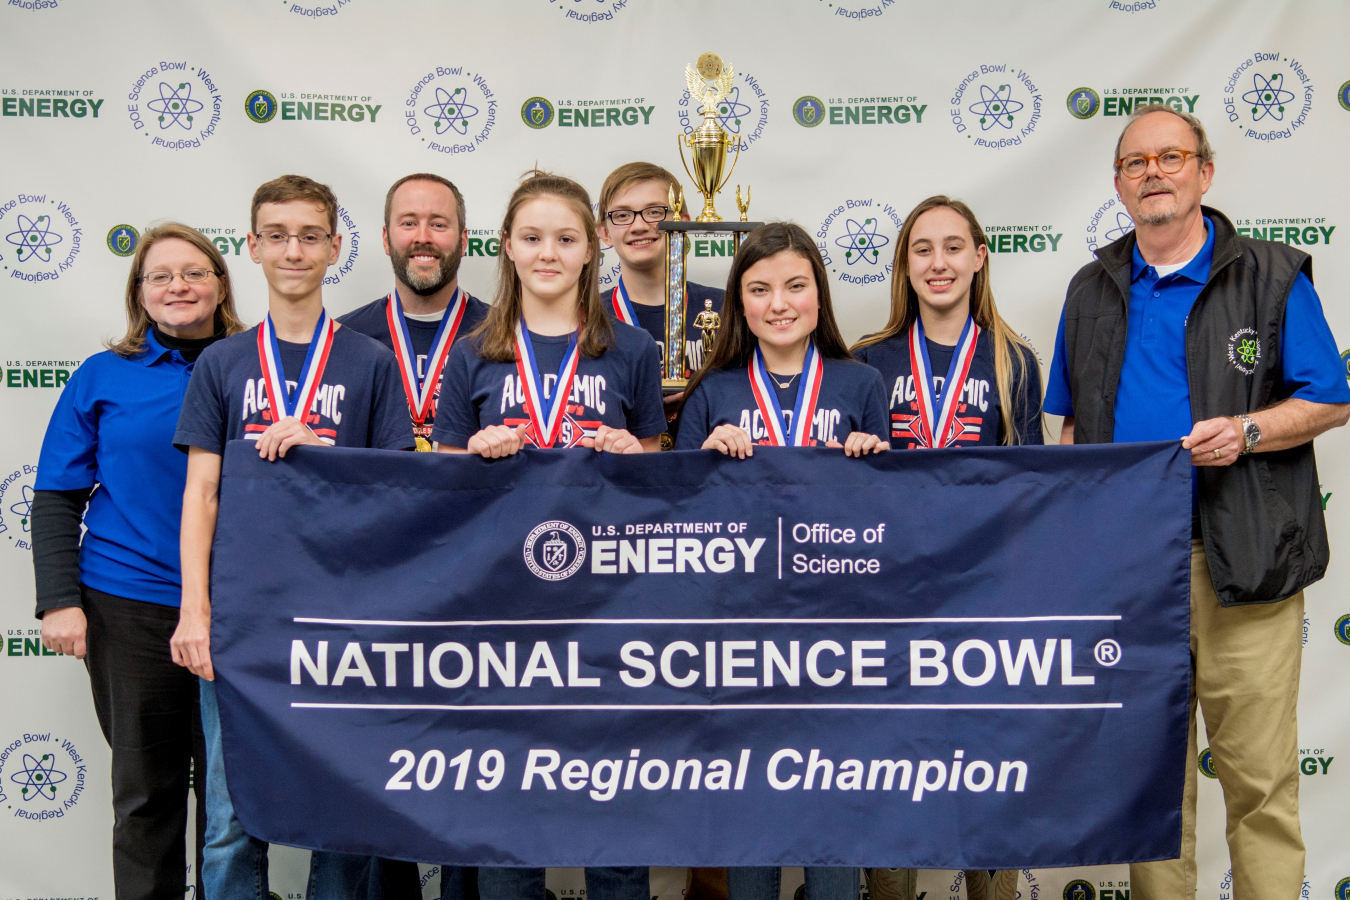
{"x": 1244, "y": 350}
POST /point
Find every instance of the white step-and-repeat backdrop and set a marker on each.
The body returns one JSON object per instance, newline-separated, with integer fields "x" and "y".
{"x": 113, "y": 115}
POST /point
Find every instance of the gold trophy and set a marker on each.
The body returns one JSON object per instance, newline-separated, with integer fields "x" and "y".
{"x": 709, "y": 143}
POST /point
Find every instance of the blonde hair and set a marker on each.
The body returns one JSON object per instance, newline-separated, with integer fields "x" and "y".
{"x": 496, "y": 336}
{"x": 138, "y": 319}
{"x": 1009, "y": 367}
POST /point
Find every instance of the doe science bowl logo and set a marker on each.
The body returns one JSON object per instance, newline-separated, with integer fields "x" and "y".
{"x": 1268, "y": 96}
{"x": 537, "y": 112}
{"x": 41, "y": 777}
{"x": 1343, "y": 629}
{"x": 1108, "y": 224}
{"x": 590, "y": 12}
{"x": 175, "y": 105}
{"x": 122, "y": 240}
{"x": 260, "y": 106}
{"x": 856, "y": 240}
{"x": 1083, "y": 102}
{"x": 744, "y": 113}
{"x": 450, "y": 110}
{"x": 996, "y": 106}
{"x": 555, "y": 550}
{"x": 351, "y": 248}
{"x": 41, "y": 237}
{"x": 1078, "y": 889}
{"x": 314, "y": 10}
{"x": 859, "y": 12}
{"x": 16, "y": 507}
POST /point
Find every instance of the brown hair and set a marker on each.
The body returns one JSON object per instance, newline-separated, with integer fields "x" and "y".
{"x": 1008, "y": 366}
{"x": 735, "y": 341}
{"x": 496, "y": 336}
{"x": 629, "y": 174}
{"x": 138, "y": 320}
{"x": 425, "y": 176}
{"x": 295, "y": 187}
{"x": 1203, "y": 151}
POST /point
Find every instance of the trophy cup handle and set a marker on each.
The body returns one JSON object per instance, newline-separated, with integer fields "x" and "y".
{"x": 734, "y": 160}
{"x": 679, "y": 139}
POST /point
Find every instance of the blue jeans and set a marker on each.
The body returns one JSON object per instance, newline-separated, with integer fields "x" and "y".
{"x": 626, "y": 883}
{"x": 234, "y": 865}
{"x": 765, "y": 883}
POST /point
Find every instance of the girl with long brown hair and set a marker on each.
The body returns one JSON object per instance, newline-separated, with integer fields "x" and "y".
{"x": 780, "y": 373}
{"x": 547, "y": 367}
{"x": 945, "y": 329}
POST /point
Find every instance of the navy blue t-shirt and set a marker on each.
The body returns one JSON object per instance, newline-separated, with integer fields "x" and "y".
{"x": 851, "y": 399}
{"x": 620, "y": 388}
{"x": 652, "y": 319}
{"x": 979, "y": 414}
{"x": 360, "y": 401}
{"x": 372, "y": 320}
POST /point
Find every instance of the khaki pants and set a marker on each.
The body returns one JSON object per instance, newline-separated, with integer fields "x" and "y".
{"x": 1246, "y": 662}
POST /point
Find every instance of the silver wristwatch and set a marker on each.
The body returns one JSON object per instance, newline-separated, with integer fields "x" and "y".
{"x": 1251, "y": 433}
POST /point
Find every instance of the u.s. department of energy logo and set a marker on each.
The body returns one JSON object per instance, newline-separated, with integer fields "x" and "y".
{"x": 175, "y": 105}
{"x": 260, "y": 106}
{"x": 1109, "y": 223}
{"x": 996, "y": 106}
{"x": 744, "y": 113}
{"x": 555, "y": 550}
{"x": 40, "y": 237}
{"x": 41, "y": 777}
{"x": 1078, "y": 889}
{"x": 1244, "y": 350}
{"x": 536, "y": 112}
{"x": 1342, "y": 891}
{"x": 1205, "y": 763}
{"x": 122, "y": 240}
{"x": 1343, "y": 95}
{"x": 450, "y": 110}
{"x": 1343, "y": 629}
{"x": 1268, "y": 96}
{"x": 1083, "y": 102}
{"x": 808, "y": 111}
{"x": 855, "y": 240}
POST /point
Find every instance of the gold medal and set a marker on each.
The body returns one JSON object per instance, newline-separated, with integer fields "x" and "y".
{"x": 423, "y": 445}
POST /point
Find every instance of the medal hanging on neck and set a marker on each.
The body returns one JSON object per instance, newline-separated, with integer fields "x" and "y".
{"x": 623, "y": 306}
{"x": 421, "y": 392}
{"x": 937, "y": 408}
{"x": 803, "y": 411}
{"x": 299, "y": 402}
{"x": 546, "y": 415}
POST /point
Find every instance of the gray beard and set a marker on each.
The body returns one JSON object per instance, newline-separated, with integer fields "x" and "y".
{"x": 425, "y": 286}
{"x": 1157, "y": 218}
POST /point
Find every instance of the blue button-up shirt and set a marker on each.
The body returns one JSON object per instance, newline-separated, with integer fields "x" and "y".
{"x": 113, "y": 427}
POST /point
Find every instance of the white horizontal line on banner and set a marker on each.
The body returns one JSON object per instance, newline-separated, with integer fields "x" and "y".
{"x": 703, "y": 707}
{"x": 304, "y": 620}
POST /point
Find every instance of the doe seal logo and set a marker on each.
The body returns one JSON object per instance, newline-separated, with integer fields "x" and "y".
{"x": 808, "y": 111}
{"x": 537, "y": 112}
{"x": 1343, "y": 629}
{"x": 261, "y": 106}
{"x": 1083, "y": 102}
{"x": 1342, "y": 889}
{"x": 1205, "y": 763}
{"x": 122, "y": 240}
{"x": 1244, "y": 350}
{"x": 1343, "y": 95}
{"x": 559, "y": 555}
{"x": 1078, "y": 889}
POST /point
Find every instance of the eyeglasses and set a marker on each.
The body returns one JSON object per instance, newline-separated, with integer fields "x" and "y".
{"x": 308, "y": 239}
{"x": 164, "y": 279}
{"x": 1170, "y": 162}
{"x": 626, "y": 216}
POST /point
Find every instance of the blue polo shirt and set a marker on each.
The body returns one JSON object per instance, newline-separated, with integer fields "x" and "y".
{"x": 1153, "y": 398}
{"x": 113, "y": 427}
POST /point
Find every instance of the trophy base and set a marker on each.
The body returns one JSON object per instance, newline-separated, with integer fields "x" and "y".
{"x": 709, "y": 227}
{"x": 673, "y": 386}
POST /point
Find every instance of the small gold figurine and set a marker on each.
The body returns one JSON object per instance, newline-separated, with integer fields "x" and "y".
{"x": 708, "y": 322}
{"x": 743, "y": 207}
{"x": 676, "y": 203}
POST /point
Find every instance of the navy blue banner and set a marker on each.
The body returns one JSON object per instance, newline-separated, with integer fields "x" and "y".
{"x": 971, "y": 658}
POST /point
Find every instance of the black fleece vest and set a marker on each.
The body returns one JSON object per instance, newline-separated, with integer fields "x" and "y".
{"x": 1265, "y": 536}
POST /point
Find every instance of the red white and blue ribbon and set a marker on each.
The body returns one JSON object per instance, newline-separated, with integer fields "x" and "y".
{"x": 421, "y": 391}
{"x": 937, "y": 407}
{"x": 623, "y": 307}
{"x": 299, "y": 402}
{"x": 781, "y": 434}
{"x": 546, "y": 414}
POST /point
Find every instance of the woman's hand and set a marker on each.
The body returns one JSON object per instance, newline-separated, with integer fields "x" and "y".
{"x": 64, "y": 630}
{"x": 190, "y": 645}
{"x": 860, "y": 443}
{"x": 612, "y": 440}
{"x": 497, "y": 441}
{"x": 731, "y": 440}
